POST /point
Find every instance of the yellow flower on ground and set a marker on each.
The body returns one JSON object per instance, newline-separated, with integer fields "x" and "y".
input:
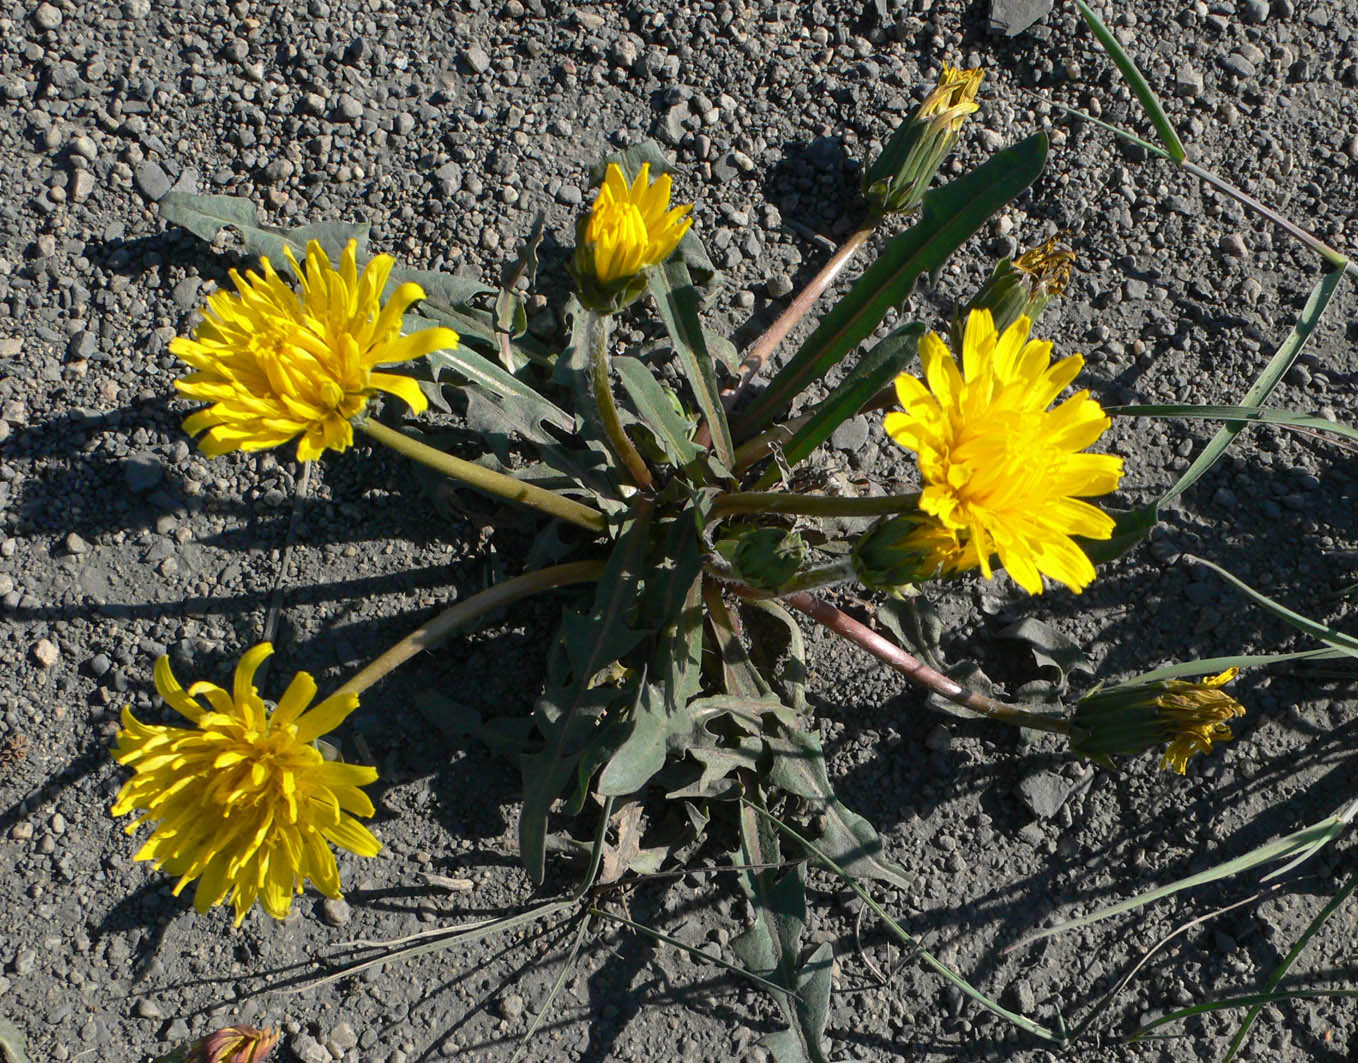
{"x": 234, "y": 1044}
{"x": 278, "y": 363}
{"x": 1130, "y": 719}
{"x": 630, "y": 227}
{"x": 242, "y": 801}
{"x": 1001, "y": 471}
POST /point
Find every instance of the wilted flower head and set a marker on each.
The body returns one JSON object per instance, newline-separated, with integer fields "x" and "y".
{"x": 899, "y": 177}
{"x": 1001, "y": 471}
{"x": 1130, "y": 719}
{"x": 242, "y": 801}
{"x": 630, "y": 228}
{"x": 234, "y": 1044}
{"x": 1022, "y": 287}
{"x": 277, "y": 364}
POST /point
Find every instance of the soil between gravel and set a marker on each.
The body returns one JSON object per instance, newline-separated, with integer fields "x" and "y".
{"x": 449, "y": 127}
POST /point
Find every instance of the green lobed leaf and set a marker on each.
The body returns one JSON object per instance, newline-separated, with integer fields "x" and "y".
{"x": 563, "y": 713}
{"x": 875, "y": 371}
{"x": 782, "y": 662}
{"x": 511, "y": 318}
{"x": 771, "y": 947}
{"x": 206, "y": 215}
{"x": 1050, "y": 647}
{"x": 656, "y": 410}
{"x": 951, "y": 214}
{"x": 676, "y": 300}
{"x": 1130, "y": 529}
{"x": 848, "y": 839}
{"x": 1154, "y": 110}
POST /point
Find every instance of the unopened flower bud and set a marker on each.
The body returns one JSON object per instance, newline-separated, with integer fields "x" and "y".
{"x": 900, "y": 176}
{"x": 765, "y": 558}
{"x": 908, "y": 548}
{"x": 234, "y": 1044}
{"x": 1132, "y": 718}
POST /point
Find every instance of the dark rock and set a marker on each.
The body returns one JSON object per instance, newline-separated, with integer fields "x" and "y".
{"x": 1012, "y": 17}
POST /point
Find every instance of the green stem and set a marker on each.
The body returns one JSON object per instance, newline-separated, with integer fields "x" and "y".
{"x": 597, "y": 330}
{"x": 483, "y": 479}
{"x": 809, "y": 505}
{"x": 429, "y": 635}
{"x": 822, "y": 576}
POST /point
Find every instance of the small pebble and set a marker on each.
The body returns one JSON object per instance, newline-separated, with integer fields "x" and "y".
{"x": 45, "y": 653}
{"x": 335, "y": 911}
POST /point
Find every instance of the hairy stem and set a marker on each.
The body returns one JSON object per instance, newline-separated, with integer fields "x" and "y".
{"x": 602, "y": 386}
{"x": 483, "y": 479}
{"x": 917, "y": 671}
{"x": 429, "y": 635}
{"x": 809, "y": 505}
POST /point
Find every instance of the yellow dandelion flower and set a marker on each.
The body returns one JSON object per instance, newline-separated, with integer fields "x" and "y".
{"x": 1001, "y": 470}
{"x": 1130, "y": 719}
{"x": 277, "y": 363}
{"x": 1046, "y": 267}
{"x": 242, "y": 801}
{"x": 630, "y": 227}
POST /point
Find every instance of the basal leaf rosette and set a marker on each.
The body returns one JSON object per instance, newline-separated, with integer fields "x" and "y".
{"x": 243, "y": 802}
{"x": 1005, "y": 476}
{"x": 278, "y": 363}
{"x": 630, "y": 228}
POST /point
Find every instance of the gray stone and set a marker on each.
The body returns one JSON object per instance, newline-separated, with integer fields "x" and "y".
{"x": 45, "y": 653}
{"x": 779, "y": 285}
{"x": 82, "y": 185}
{"x": 335, "y": 911}
{"x": 309, "y": 1050}
{"x": 1255, "y": 10}
{"x": 1188, "y": 81}
{"x": 1232, "y": 245}
{"x": 1237, "y": 65}
{"x": 1044, "y": 793}
{"x": 1012, "y": 17}
{"x": 1134, "y": 288}
{"x": 75, "y": 544}
{"x": 850, "y": 436}
{"x": 511, "y": 1006}
{"x": 152, "y": 181}
{"x": 46, "y": 17}
{"x": 348, "y": 109}
{"x": 142, "y": 472}
{"x": 476, "y": 58}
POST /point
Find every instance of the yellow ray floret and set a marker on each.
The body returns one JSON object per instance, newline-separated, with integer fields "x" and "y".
{"x": 242, "y": 801}
{"x": 277, "y": 363}
{"x": 1001, "y": 471}
{"x": 1194, "y": 716}
{"x": 632, "y": 227}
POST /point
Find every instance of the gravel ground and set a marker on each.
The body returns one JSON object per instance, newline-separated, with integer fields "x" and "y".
{"x": 449, "y": 128}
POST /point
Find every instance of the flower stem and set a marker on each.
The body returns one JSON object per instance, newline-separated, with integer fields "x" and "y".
{"x": 483, "y": 479}
{"x": 597, "y": 331}
{"x": 809, "y": 505}
{"x": 917, "y": 671}
{"x": 429, "y": 635}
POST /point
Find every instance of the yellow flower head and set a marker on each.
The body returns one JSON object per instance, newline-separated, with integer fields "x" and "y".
{"x": 1195, "y": 714}
{"x": 1002, "y": 471}
{"x": 234, "y": 1044}
{"x": 1046, "y": 267}
{"x": 1132, "y": 718}
{"x": 909, "y": 548}
{"x": 276, "y": 363}
{"x": 947, "y": 107}
{"x": 242, "y": 801}
{"x": 630, "y": 227}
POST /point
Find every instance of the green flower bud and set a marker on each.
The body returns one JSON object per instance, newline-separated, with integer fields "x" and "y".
{"x": 765, "y": 558}
{"x": 908, "y": 548}
{"x": 900, "y": 176}
{"x": 1130, "y": 719}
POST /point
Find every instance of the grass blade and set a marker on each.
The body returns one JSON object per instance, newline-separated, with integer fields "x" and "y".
{"x": 1263, "y": 387}
{"x": 1324, "y": 914}
{"x": 1246, "y": 1001}
{"x": 1212, "y": 665}
{"x": 566, "y": 968}
{"x": 1149, "y": 101}
{"x": 951, "y": 215}
{"x": 1303, "y": 842}
{"x": 1328, "y": 635}
{"x": 907, "y": 938}
{"x": 1239, "y": 416}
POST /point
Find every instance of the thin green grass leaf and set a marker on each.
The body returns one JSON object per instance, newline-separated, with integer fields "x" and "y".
{"x": 558, "y": 982}
{"x": 1149, "y": 101}
{"x": 1117, "y": 131}
{"x": 1303, "y": 843}
{"x": 1322, "y": 916}
{"x": 1239, "y": 416}
{"x": 907, "y": 938}
{"x": 1214, "y": 665}
{"x": 1262, "y": 388}
{"x": 1246, "y": 1001}
{"x": 1328, "y": 635}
